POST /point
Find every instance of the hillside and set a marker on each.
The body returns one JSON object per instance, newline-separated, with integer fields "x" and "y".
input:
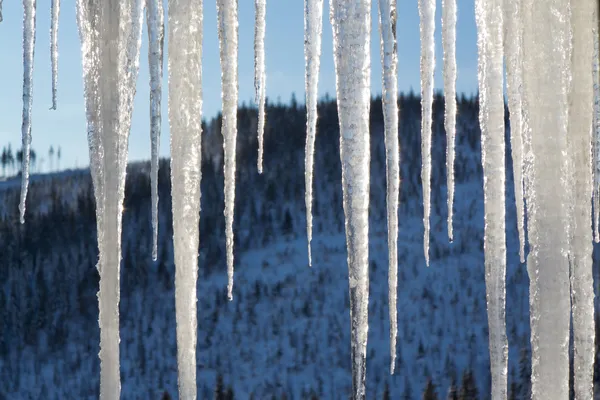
{"x": 287, "y": 331}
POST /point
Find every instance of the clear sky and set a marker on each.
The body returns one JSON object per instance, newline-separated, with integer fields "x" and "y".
{"x": 66, "y": 126}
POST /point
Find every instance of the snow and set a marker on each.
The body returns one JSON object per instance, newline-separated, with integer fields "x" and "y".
{"x": 313, "y": 30}
{"x": 427, "y": 29}
{"x": 581, "y": 96}
{"x": 185, "y": 119}
{"x": 227, "y": 16}
{"x": 29, "y": 11}
{"x": 260, "y": 76}
{"x": 491, "y": 119}
{"x": 389, "y": 59}
{"x": 546, "y": 76}
{"x": 55, "y": 9}
{"x": 351, "y": 23}
{"x": 449, "y": 45}
{"x": 156, "y": 30}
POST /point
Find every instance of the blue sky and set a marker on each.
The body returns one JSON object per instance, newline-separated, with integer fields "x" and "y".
{"x": 66, "y": 126}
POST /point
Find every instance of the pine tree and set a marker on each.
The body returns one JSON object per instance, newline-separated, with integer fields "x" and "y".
{"x": 219, "y": 393}
{"x": 452, "y": 391}
{"x": 429, "y": 393}
{"x": 386, "y": 392}
{"x": 468, "y": 390}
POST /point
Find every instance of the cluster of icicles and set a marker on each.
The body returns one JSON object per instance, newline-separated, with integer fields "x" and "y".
{"x": 548, "y": 49}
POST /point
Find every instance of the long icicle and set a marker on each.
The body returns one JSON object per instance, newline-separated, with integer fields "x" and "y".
{"x": 389, "y": 60}
{"x": 260, "y": 76}
{"x": 111, "y": 37}
{"x": 491, "y": 117}
{"x": 581, "y": 99}
{"x": 351, "y": 21}
{"x": 513, "y": 29}
{"x": 449, "y": 46}
{"x": 546, "y": 77}
{"x": 313, "y": 31}
{"x": 227, "y": 19}
{"x": 29, "y": 17}
{"x": 54, "y": 49}
{"x": 155, "y": 21}
{"x": 427, "y": 31}
{"x": 596, "y": 128}
{"x": 185, "y": 118}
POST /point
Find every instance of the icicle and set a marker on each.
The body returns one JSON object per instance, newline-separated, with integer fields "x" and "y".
{"x": 427, "y": 28}
{"x": 546, "y": 77}
{"x": 1, "y": 18}
{"x": 155, "y": 20}
{"x": 513, "y": 55}
{"x": 260, "y": 76}
{"x": 491, "y": 118}
{"x": 185, "y": 117}
{"x": 54, "y": 49}
{"x": 351, "y": 23}
{"x": 581, "y": 98}
{"x": 596, "y": 134}
{"x": 227, "y": 15}
{"x": 29, "y": 8}
{"x": 389, "y": 60}
{"x": 449, "y": 45}
{"x": 110, "y": 33}
{"x": 313, "y": 30}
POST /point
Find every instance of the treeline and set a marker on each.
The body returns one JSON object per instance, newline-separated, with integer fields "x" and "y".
{"x": 11, "y": 162}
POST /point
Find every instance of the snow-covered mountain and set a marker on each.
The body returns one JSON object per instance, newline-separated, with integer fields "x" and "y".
{"x": 287, "y": 331}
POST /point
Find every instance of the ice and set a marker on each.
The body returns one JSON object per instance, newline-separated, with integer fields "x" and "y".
{"x": 260, "y": 76}
{"x": 313, "y": 30}
{"x": 155, "y": 21}
{"x": 546, "y": 77}
{"x": 185, "y": 118}
{"x": 54, "y": 49}
{"x": 110, "y": 33}
{"x": 427, "y": 29}
{"x": 596, "y": 135}
{"x": 513, "y": 35}
{"x": 581, "y": 99}
{"x": 389, "y": 60}
{"x": 227, "y": 16}
{"x": 488, "y": 15}
{"x": 1, "y": 18}
{"x": 351, "y": 23}
{"x": 449, "y": 45}
{"x": 29, "y": 11}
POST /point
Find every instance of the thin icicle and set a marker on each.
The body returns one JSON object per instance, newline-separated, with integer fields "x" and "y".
{"x": 54, "y": 49}
{"x": 185, "y": 118}
{"x": 513, "y": 36}
{"x": 1, "y": 18}
{"x": 596, "y": 133}
{"x": 491, "y": 118}
{"x": 155, "y": 21}
{"x": 546, "y": 77}
{"x": 351, "y": 21}
{"x": 449, "y": 45}
{"x": 260, "y": 77}
{"x": 110, "y": 33}
{"x": 227, "y": 17}
{"x": 427, "y": 29}
{"x": 389, "y": 60}
{"x": 313, "y": 31}
{"x": 581, "y": 99}
{"x": 29, "y": 10}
